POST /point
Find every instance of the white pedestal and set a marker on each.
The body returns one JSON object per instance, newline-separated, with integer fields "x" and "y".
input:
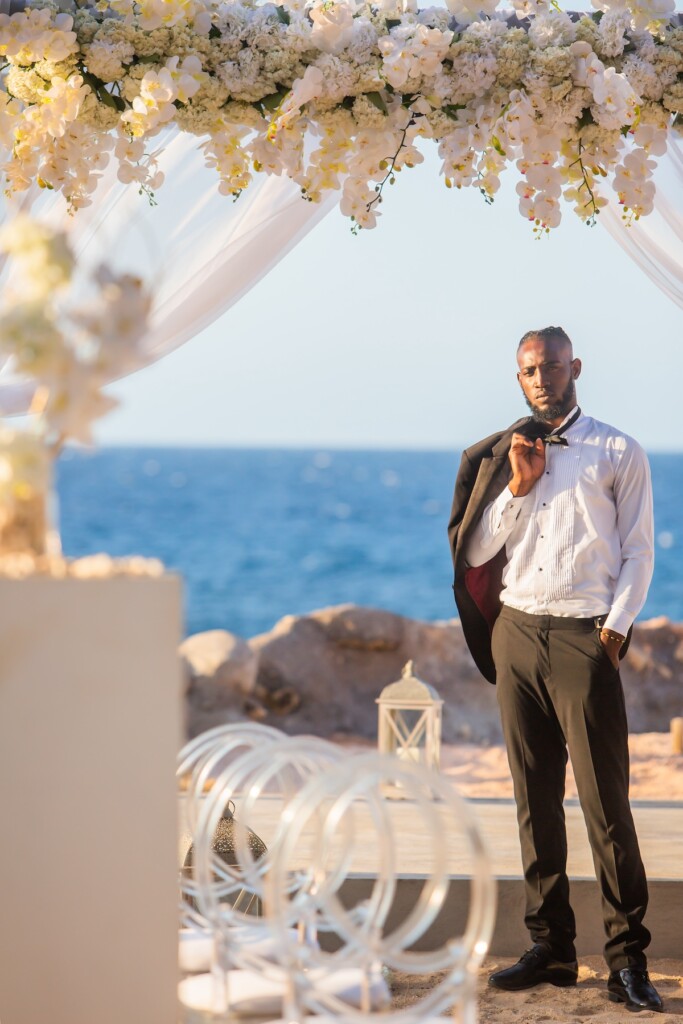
{"x": 90, "y": 726}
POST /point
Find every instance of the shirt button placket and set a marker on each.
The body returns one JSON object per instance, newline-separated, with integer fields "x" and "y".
{"x": 541, "y": 583}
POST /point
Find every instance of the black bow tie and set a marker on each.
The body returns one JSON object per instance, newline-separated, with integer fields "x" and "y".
{"x": 555, "y": 439}
{"x": 535, "y": 429}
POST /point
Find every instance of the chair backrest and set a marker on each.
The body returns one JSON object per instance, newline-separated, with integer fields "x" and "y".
{"x": 343, "y": 810}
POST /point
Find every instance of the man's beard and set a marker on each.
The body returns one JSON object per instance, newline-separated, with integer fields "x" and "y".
{"x": 560, "y": 409}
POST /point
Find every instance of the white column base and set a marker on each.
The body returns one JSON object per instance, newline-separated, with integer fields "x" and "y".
{"x": 90, "y": 726}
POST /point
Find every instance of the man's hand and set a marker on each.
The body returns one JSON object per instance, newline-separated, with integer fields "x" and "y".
{"x": 527, "y": 459}
{"x": 612, "y": 643}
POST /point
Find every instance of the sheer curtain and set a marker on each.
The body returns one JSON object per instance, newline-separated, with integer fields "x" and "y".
{"x": 656, "y": 242}
{"x": 200, "y": 250}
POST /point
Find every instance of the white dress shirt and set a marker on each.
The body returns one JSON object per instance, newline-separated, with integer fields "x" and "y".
{"x": 580, "y": 543}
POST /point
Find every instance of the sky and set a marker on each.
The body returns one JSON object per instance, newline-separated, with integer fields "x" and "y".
{"x": 405, "y": 336}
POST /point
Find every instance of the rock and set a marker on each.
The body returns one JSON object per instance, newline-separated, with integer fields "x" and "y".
{"x": 338, "y": 660}
{"x": 220, "y": 670}
{"x": 653, "y": 675}
{"x": 365, "y": 629}
{"x": 321, "y": 673}
{"x": 282, "y": 701}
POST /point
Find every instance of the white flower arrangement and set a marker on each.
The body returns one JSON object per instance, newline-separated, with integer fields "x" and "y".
{"x": 579, "y": 104}
{"x": 69, "y": 347}
{"x": 70, "y": 336}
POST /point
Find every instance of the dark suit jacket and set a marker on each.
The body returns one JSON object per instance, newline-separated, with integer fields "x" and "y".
{"x": 484, "y": 472}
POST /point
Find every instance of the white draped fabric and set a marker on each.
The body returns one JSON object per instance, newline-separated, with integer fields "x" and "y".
{"x": 201, "y": 251}
{"x": 656, "y": 242}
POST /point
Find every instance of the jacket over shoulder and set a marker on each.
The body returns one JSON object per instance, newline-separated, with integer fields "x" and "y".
{"x": 484, "y": 473}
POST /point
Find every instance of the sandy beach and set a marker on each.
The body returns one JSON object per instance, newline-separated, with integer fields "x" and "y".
{"x": 545, "y": 1003}
{"x": 481, "y": 772}
{"x": 656, "y": 772}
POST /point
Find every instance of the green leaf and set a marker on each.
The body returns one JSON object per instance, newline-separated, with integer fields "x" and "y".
{"x": 451, "y": 110}
{"x": 94, "y": 83}
{"x": 586, "y": 118}
{"x": 377, "y": 100}
{"x": 283, "y": 15}
{"x": 496, "y": 143}
{"x": 273, "y": 101}
{"x": 392, "y": 23}
{"x": 347, "y": 102}
{"x": 214, "y": 32}
{"x": 597, "y": 16}
{"x": 109, "y": 100}
{"x": 100, "y": 90}
{"x": 154, "y": 58}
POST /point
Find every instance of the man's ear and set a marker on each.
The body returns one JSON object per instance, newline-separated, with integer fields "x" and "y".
{"x": 576, "y": 368}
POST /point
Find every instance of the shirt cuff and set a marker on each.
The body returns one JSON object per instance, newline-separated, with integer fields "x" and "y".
{"x": 619, "y": 621}
{"x": 508, "y": 507}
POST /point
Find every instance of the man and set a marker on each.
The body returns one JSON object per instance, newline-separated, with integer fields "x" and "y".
{"x": 552, "y": 540}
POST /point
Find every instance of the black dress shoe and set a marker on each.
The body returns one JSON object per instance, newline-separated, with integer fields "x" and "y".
{"x": 535, "y": 966}
{"x": 632, "y": 986}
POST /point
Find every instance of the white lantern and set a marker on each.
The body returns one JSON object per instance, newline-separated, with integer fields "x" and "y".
{"x": 409, "y": 723}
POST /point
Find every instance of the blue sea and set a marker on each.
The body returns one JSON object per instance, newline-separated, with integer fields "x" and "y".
{"x": 258, "y": 534}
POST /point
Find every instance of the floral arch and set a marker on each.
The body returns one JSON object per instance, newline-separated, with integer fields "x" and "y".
{"x": 328, "y": 100}
{"x": 337, "y": 94}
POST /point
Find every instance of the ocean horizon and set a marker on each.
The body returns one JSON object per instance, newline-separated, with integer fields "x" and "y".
{"x": 259, "y": 533}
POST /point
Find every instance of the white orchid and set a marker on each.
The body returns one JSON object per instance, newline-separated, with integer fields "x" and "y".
{"x": 332, "y": 25}
{"x": 187, "y": 77}
{"x": 616, "y": 104}
{"x": 153, "y": 14}
{"x": 303, "y": 91}
{"x": 60, "y": 106}
{"x": 651, "y": 139}
{"x": 360, "y": 203}
{"x": 467, "y": 11}
{"x": 530, "y": 8}
{"x": 633, "y": 182}
{"x": 37, "y": 34}
{"x": 131, "y": 150}
{"x": 645, "y": 15}
{"x": 413, "y": 51}
{"x": 225, "y": 153}
{"x": 153, "y": 106}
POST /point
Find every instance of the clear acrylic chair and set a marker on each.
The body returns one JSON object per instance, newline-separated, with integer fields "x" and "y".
{"x": 337, "y": 811}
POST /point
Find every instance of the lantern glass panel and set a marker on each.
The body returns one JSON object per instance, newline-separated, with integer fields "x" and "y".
{"x": 409, "y": 726}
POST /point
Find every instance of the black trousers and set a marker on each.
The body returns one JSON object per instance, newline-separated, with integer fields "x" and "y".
{"x": 558, "y": 689}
